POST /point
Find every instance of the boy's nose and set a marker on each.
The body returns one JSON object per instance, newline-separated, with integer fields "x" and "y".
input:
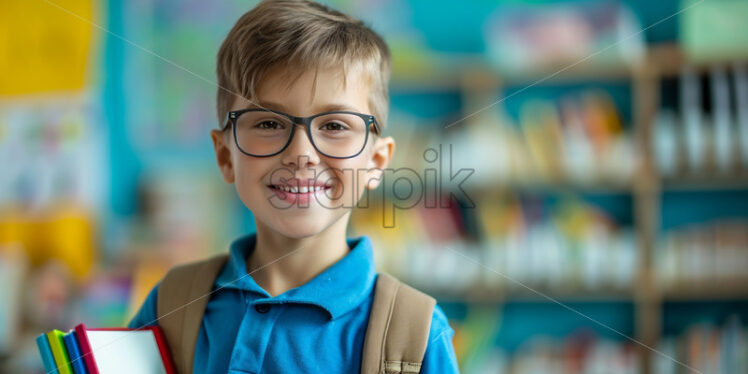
{"x": 300, "y": 150}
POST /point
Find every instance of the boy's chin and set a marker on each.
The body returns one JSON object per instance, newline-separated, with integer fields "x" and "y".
{"x": 301, "y": 227}
{"x": 299, "y": 234}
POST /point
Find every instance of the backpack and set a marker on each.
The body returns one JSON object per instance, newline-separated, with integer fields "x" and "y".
{"x": 396, "y": 336}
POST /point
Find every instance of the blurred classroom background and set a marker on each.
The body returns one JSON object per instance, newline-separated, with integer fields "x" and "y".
{"x": 604, "y": 227}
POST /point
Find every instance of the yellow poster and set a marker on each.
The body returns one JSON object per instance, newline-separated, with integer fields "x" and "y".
{"x": 45, "y": 45}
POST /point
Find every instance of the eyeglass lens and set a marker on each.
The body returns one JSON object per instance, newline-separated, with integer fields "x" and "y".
{"x": 336, "y": 134}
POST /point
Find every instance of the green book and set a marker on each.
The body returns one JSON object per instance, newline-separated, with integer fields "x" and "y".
{"x": 59, "y": 351}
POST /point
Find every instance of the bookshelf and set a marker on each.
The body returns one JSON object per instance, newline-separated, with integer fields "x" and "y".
{"x": 480, "y": 88}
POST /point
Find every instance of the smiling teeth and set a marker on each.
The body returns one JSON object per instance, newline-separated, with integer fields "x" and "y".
{"x": 302, "y": 189}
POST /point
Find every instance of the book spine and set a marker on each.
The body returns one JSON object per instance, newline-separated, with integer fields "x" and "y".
{"x": 74, "y": 353}
{"x": 690, "y": 97}
{"x": 46, "y": 352}
{"x": 741, "y": 103}
{"x": 59, "y": 352}
{"x": 86, "y": 351}
{"x": 723, "y": 140}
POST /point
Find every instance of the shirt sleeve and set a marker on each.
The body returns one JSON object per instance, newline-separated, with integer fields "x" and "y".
{"x": 146, "y": 316}
{"x": 440, "y": 355}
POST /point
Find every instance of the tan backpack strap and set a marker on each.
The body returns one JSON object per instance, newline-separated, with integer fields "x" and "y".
{"x": 182, "y": 296}
{"x": 398, "y": 330}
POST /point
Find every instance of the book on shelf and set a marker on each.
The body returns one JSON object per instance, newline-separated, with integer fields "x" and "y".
{"x": 724, "y": 145}
{"x": 740, "y": 75}
{"x": 105, "y": 351}
{"x": 577, "y": 353}
{"x": 703, "y": 256}
{"x": 693, "y": 119}
{"x": 705, "y": 348}
{"x": 578, "y": 139}
{"x": 708, "y": 131}
{"x": 564, "y": 245}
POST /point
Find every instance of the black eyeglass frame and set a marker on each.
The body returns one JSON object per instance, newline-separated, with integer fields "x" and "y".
{"x": 369, "y": 119}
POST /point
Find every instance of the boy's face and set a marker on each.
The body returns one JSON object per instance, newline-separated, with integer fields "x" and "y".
{"x": 303, "y": 215}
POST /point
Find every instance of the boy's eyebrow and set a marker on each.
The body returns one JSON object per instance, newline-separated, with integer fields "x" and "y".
{"x": 280, "y": 107}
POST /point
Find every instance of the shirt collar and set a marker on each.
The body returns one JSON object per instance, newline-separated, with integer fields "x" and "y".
{"x": 338, "y": 289}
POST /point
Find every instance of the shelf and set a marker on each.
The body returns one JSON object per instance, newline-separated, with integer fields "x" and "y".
{"x": 709, "y": 290}
{"x": 600, "y": 187}
{"x": 718, "y": 291}
{"x": 494, "y": 295}
{"x": 561, "y": 186}
{"x": 736, "y": 180}
{"x": 572, "y": 71}
{"x": 473, "y": 72}
{"x": 478, "y": 81}
{"x": 669, "y": 60}
{"x": 479, "y": 75}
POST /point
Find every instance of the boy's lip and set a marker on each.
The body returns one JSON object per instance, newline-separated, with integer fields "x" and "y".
{"x": 303, "y": 199}
{"x": 296, "y": 182}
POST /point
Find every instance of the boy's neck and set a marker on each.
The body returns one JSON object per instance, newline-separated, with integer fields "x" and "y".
{"x": 279, "y": 263}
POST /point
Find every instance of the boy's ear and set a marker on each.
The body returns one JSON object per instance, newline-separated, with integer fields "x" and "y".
{"x": 379, "y": 160}
{"x": 223, "y": 155}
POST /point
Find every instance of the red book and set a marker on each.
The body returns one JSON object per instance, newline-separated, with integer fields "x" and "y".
{"x": 122, "y": 350}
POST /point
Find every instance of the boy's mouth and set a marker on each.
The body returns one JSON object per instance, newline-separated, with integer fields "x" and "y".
{"x": 301, "y": 188}
{"x": 299, "y": 193}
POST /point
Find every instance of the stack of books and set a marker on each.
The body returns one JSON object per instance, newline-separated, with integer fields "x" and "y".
{"x": 579, "y": 138}
{"x": 703, "y": 255}
{"x": 105, "y": 351}
{"x": 560, "y": 245}
{"x": 705, "y": 347}
{"x": 706, "y": 130}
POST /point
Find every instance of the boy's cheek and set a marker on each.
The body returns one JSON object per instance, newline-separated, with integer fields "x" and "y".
{"x": 247, "y": 182}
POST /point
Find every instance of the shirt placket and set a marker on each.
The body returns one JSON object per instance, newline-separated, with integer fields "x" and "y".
{"x": 254, "y": 335}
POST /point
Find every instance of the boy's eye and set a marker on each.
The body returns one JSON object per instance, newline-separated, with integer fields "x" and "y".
{"x": 269, "y": 125}
{"x": 333, "y": 126}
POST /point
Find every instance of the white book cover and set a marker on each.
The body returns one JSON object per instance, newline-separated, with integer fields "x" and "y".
{"x": 119, "y": 350}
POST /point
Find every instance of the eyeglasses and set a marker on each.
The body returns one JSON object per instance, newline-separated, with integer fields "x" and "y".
{"x": 266, "y": 132}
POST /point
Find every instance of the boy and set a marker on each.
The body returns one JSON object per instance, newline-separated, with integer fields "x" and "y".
{"x": 297, "y": 296}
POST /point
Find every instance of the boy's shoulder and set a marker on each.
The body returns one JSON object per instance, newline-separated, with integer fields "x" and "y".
{"x": 182, "y": 281}
{"x": 439, "y": 320}
{"x": 439, "y": 324}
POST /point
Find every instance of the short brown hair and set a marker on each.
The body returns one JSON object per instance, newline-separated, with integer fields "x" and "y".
{"x": 299, "y": 35}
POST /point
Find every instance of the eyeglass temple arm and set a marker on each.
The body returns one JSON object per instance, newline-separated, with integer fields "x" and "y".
{"x": 225, "y": 123}
{"x": 376, "y": 126}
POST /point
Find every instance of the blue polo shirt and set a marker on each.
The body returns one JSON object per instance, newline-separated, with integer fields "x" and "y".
{"x": 318, "y": 327}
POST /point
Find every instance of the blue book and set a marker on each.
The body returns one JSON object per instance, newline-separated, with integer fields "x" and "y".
{"x": 74, "y": 353}
{"x": 46, "y": 352}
